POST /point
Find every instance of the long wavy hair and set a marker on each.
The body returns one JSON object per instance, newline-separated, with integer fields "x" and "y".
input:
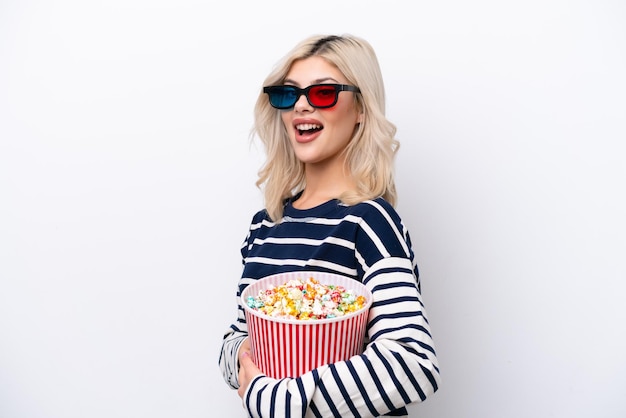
{"x": 370, "y": 152}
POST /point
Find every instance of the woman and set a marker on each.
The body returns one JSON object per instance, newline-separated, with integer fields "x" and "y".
{"x": 329, "y": 195}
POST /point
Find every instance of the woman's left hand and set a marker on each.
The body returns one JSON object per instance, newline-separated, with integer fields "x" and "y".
{"x": 247, "y": 370}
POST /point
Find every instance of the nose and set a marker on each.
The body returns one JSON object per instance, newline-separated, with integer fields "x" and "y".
{"x": 302, "y": 104}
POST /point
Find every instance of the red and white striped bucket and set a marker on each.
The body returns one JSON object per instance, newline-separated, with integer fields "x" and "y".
{"x": 291, "y": 347}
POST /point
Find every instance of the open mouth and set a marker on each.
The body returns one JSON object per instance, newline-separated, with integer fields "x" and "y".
{"x": 308, "y": 128}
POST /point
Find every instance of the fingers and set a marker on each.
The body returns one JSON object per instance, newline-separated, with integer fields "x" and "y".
{"x": 245, "y": 359}
{"x": 244, "y": 348}
{"x": 245, "y": 345}
{"x": 244, "y": 364}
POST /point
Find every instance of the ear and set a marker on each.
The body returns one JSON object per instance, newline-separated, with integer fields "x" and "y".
{"x": 359, "y": 119}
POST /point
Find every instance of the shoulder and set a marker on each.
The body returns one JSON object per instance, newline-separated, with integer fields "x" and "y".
{"x": 259, "y": 216}
{"x": 381, "y": 232}
{"x": 376, "y": 210}
{"x": 379, "y": 217}
{"x": 260, "y": 220}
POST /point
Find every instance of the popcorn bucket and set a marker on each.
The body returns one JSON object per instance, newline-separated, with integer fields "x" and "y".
{"x": 284, "y": 347}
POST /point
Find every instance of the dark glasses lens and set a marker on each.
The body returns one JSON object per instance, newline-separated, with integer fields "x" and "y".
{"x": 318, "y": 95}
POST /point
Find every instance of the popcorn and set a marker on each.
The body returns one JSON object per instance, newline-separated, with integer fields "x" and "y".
{"x": 305, "y": 300}
{"x": 297, "y": 324}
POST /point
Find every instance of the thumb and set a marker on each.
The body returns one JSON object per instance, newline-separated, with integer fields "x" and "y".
{"x": 246, "y": 358}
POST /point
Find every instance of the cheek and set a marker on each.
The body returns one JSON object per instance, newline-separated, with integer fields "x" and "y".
{"x": 346, "y": 120}
{"x": 347, "y": 113}
{"x": 286, "y": 123}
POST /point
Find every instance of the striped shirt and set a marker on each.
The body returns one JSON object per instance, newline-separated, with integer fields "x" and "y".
{"x": 368, "y": 242}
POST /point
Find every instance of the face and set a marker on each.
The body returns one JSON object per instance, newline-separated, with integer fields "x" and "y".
{"x": 318, "y": 136}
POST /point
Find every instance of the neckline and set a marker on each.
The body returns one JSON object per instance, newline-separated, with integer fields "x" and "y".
{"x": 315, "y": 211}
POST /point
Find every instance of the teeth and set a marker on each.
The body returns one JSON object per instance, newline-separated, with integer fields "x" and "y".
{"x": 307, "y": 126}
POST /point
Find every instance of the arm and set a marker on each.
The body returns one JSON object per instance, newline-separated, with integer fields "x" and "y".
{"x": 398, "y": 366}
{"x": 234, "y": 342}
{"x": 228, "y": 361}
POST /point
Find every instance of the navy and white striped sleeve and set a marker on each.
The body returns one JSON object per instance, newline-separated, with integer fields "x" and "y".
{"x": 238, "y": 331}
{"x": 399, "y": 365}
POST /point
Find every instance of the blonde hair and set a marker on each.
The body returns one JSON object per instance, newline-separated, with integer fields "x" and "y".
{"x": 371, "y": 150}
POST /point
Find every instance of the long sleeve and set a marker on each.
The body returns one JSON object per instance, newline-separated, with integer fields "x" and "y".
{"x": 398, "y": 366}
{"x": 368, "y": 242}
{"x": 228, "y": 356}
{"x": 238, "y": 331}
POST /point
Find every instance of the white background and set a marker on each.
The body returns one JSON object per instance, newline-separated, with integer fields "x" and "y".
{"x": 127, "y": 185}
